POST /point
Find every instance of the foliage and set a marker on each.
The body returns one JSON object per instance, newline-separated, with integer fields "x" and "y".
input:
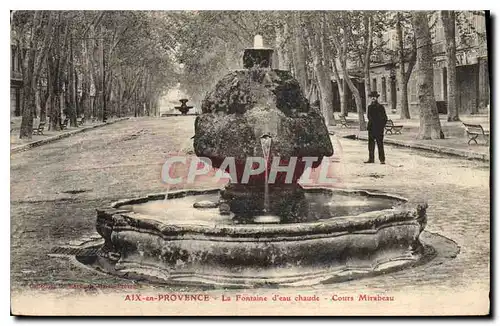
{"x": 129, "y": 59}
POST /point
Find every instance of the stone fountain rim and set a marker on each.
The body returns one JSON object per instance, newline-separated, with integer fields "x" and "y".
{"x": 193, "y": 192}
{"x": 408, "y": 212}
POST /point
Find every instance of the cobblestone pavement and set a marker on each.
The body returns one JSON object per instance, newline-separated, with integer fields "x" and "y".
{"x": 56, "y": 188}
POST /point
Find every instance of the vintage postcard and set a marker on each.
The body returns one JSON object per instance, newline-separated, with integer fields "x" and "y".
{"x": 250, "y": 163}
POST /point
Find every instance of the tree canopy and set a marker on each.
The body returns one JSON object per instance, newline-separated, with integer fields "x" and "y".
{"x": 102, "y": 63}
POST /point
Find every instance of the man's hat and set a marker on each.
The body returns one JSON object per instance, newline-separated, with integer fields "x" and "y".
{"x": 374, "y": 94}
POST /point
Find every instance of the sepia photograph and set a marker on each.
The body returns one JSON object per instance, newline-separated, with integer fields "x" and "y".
{"x": 250, "y": 162}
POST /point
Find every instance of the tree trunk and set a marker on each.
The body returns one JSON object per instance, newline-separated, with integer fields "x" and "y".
{"x": 43, "y": 103}
{"x": 368, "y": 43}
{"x": 430, "y": 126}
{"x": 405, "y": 111}
{"x": 27, "y": 114}
{"x": 102, "y": 67}
{"x": 278, "y": 61}
{"x": 327, "y": 88}
{"x": 120, "y": 96}
{"x": 321, "y": 72}
{"x": 405, "y": 108}
{"x": 62, "y": 104}
{"x": 85, "y": 100}
{"x": 108, "y": 88}
{"x": 32, "y": 66}
{"x": 147, "y": 106}
{"x": 448, "y": 19}
{"x": 342, "y": 53}
{"x": 29, "y": 85}
{"x": 341, "y": 86}
{"x": 75, "y": 92}
{"x": 343, "y": 99}
{"x": 56, "y": 66}
{"x": 38, "y": 99}
{"x": 406, "y": 78}
{"x": 71, "y": 88}
{"x": 95, "y": 65}
{"x": 357, "y": 99}
{"x": 407, "y": 74}
{"x": 285, "y": 58}
{"x": 299, "y": 55}
{"x": 49, "y": 104}
{"x": 54, "y": 102}
{"x": 135, "y": 106}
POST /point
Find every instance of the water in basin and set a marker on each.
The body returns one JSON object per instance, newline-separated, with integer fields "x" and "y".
{"x": 320, "y": 206}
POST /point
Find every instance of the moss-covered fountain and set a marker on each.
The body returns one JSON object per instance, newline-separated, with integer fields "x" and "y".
{"x": 253, "y": 233}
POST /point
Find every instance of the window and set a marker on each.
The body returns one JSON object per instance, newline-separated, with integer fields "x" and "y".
{"x": 393, "y": 43}
{"x": 384, "y": 90}
{"x": 440, "y": 33}
{"x": 385, "y": 38}
{"x": 13, "y": 59}
{"x": 445, "y": 84}
{"x": 17, "y": 108}
{"x": 374, "y": 84}
{"x": 438, "y": 83}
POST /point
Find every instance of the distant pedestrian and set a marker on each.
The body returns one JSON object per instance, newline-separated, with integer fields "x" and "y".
{"x": 377, "y": 119}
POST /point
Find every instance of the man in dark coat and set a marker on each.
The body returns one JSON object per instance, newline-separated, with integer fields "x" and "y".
{"x": 377, "y": 119}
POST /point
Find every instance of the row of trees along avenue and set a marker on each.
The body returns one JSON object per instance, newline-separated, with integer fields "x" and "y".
{"x": 119, "y": 63}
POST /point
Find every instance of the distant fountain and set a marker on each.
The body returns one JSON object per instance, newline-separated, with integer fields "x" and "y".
{"x": 183, "y": 108}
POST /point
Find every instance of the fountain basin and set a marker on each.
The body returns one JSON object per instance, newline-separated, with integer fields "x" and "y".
{"x": 183, "y": 109}
{"x": 184, "y": 245}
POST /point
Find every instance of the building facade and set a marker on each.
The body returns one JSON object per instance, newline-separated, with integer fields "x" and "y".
{"x": 473, "y": 87}
{"x": 16, "y": 82}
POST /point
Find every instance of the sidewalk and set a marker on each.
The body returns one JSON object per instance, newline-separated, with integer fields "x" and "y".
{"x": 455, "y": 142}
{"x": 18, "y": 145}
